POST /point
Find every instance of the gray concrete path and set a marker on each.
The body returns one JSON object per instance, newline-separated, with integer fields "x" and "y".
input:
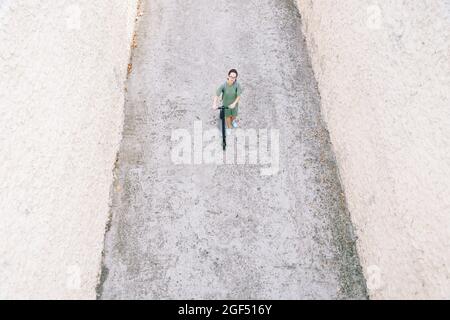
{"x": 226, "y": 231}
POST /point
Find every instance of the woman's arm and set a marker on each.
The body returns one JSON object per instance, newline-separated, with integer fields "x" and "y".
{"x": 238, "y": 93}
{"x": 217, "y": 96}
{"x": 235, "y": 102}
{"x": 216, "y": 100}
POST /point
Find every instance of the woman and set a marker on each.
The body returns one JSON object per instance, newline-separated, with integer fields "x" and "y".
{"x": 231, "y": 93}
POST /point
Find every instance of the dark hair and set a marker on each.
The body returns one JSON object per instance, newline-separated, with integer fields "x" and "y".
{"x": 233, "y": 71}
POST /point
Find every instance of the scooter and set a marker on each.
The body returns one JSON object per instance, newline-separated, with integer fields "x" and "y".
{"x": 222, "y": 117}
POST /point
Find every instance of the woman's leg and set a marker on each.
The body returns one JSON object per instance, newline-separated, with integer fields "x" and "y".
{"x": 228, "y": 121}
{"x": 234, "y": 113}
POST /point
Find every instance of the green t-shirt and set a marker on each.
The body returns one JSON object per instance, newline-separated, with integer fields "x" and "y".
{"x": 230, "y": 93}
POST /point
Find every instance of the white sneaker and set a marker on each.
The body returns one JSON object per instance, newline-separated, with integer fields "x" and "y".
{"x": 234, "y": 124}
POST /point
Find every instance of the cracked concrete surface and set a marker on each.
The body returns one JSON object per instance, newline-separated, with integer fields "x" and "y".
{"x": 226, "y": 231}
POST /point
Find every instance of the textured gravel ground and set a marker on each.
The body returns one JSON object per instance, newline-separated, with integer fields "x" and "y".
{"x": 213, "y": 231}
